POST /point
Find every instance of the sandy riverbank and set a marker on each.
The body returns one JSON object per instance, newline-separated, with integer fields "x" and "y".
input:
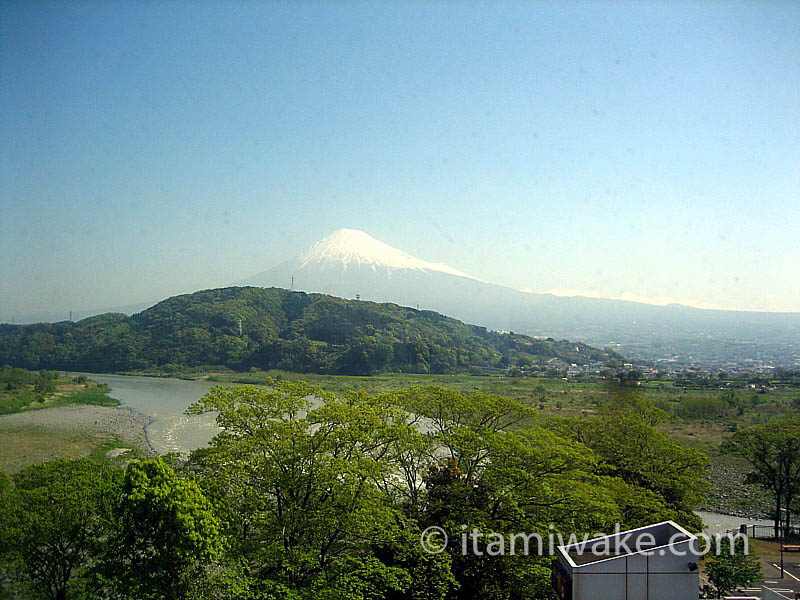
{"x": 68, "y": 432}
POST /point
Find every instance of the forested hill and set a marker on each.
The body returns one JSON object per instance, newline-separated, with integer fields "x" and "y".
{"x": 285, "y": 330}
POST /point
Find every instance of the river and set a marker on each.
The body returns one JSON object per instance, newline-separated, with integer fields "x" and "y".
{"x": 717, "y": 523}
{"x": 165, "y": 401}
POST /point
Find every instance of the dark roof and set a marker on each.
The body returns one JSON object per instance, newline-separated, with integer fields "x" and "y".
{"x": 626, "y": 543}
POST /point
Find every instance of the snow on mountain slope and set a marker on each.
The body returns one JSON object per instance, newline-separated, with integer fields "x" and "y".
{"x": 351, "y": 246}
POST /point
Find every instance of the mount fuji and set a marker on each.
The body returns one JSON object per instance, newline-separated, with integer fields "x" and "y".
{"x": 352, "y": 264}
{"x": 353, "y": 247}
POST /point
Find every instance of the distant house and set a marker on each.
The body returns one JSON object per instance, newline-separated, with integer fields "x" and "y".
{"x": 657, "y": 562}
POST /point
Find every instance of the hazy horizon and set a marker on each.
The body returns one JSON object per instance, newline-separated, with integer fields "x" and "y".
{"x": 646, "y": 151}
{"x": 83, "y": 312}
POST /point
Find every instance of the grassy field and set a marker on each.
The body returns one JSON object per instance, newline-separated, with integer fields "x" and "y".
{"x": 713, "y": 408}
{"x": 26, "y": 446}
{"x": 554, "y": 394}
{"x": 22, "y": 447}
{"x": 703, "y": 410}
{"x": 18, "y": 394}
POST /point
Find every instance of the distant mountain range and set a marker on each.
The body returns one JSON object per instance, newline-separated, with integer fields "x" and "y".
{"x": 350, "y": 263}
{"x": 245, "y": 327}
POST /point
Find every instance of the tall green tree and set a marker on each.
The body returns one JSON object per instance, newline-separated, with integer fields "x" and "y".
{"x": 166, "y": 533}
{"x": 631, "y": 447}
{"x": 495, "y": 469}
{"x": 54, "y": 521}
{"x": 6, "y": 555}
{"x": 304, "y": 476}
{"x": 324, "y": 496}
{"x": 773, "y": 452}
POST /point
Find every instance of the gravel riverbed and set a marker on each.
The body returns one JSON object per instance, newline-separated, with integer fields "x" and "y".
{"x": 120, "y": 422}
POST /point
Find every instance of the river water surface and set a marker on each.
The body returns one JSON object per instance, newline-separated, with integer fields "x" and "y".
{"x": 165, "y": 401}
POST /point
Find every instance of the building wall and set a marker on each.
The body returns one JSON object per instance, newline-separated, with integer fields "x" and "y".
{"x": 638, "y": 577}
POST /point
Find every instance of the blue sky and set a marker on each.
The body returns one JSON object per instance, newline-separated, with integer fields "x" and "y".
{"x": 639, "y": 150}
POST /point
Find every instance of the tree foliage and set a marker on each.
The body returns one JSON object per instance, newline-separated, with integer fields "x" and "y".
{"x": 54, "y": 521}
{"x": 165, "y": 531}
{"x": 311, "y": 485}
{"x": 732, "y": 567}
{"x": 308, "y": 495}
{"x": 773, "y": 452}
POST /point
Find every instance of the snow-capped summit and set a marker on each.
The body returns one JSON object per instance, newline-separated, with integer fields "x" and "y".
{"x": 354, "y": 247}
{"x": 350, "y": 263}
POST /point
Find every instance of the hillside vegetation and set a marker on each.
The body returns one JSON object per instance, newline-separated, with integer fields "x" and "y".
{"x": 245, "y": 327}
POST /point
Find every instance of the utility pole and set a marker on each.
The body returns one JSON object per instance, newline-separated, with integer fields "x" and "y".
{"x": 782, "y": 541}
{"x": 240, "y": 327}
{"x": 70, "y": 315}
{"x": 292, "y": 282}
{"x": 358, "y": 296}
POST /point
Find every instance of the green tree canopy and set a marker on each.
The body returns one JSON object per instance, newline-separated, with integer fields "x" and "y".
{"x": 320, "y": 495}
{"x": 773, "y": 452}
{"x": 165, "y": 532}
{"x": 54, "y": 521}
{"x": 625, "y": 436}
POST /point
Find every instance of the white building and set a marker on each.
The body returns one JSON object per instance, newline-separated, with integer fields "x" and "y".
{"x": 657, "y": 562}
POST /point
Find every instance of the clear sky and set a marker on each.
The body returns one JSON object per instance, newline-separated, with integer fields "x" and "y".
{"x": 639, "y": 150}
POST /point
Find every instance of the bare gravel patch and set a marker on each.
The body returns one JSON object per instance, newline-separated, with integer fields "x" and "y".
{"x": 74, "y": 429}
